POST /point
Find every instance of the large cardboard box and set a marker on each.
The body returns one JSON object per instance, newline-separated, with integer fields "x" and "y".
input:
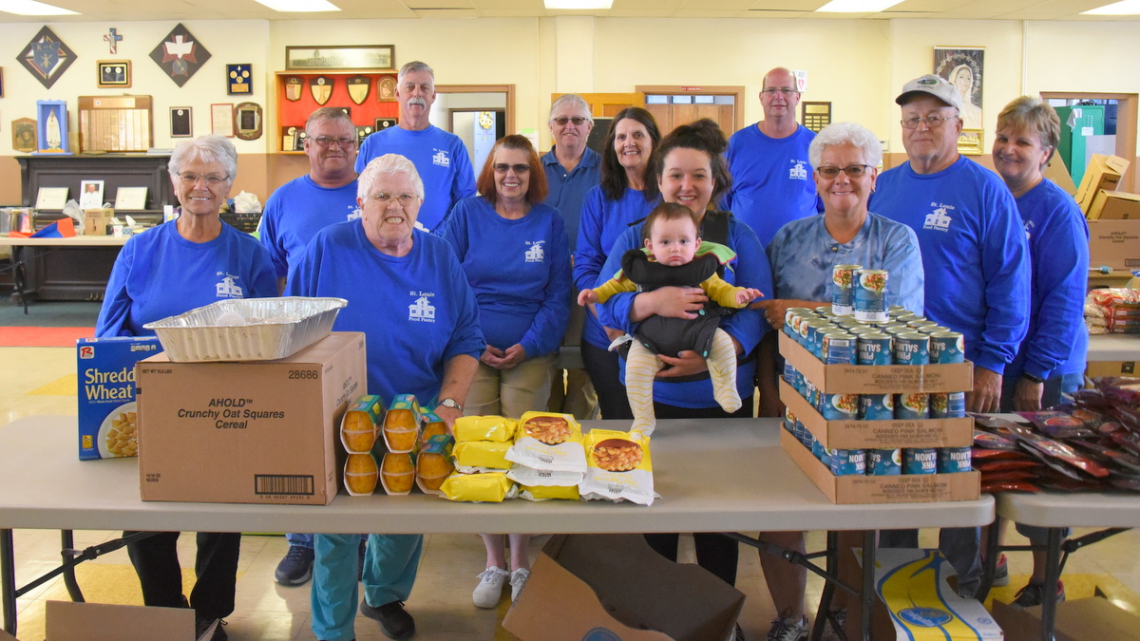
{"x": 67, "y": 621}
{"x": 1115, "y": 205}
{"x": 902, "y": 488}
{"x": 614, "y": 586}
{"x": 1094, "y": 619}
{"x": 1114, "y": 243}
{"x": 255, "y": 432}
{"x": 1104, "y": 172}
{"x": 888, "y": 434}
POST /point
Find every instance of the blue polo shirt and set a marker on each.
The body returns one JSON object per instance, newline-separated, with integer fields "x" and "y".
{"x": 568, "y": 189}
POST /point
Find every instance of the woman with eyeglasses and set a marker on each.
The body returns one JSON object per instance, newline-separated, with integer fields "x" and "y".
{"x": 516, "y": 255}
{"x": 186, "y": 263}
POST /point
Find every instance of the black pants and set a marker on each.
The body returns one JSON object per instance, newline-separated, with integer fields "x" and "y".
{"x": 715, "y": 553}
{"x": 156, "y": 562}
{"x": 605, "y": 373}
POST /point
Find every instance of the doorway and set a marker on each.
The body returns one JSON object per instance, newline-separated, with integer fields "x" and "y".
{"x": 1103, "y": 123}
{"x": 673, "y": 105}
{"x": 453, "y": 101}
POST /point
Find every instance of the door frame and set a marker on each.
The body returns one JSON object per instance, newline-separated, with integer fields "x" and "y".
{"x": 711, "y": 90}
{"x": 1125, "y": 126}
{"x": 509, "y": 90}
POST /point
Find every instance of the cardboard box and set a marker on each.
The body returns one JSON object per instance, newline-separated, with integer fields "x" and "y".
{"x": 614, "y": 586}
{"x": 1115, "y": 205}
{"x": 1094, "y": 619}
{"x": 903, "y": 488}
{"x": 256, "y": 432}
{"x": 67, "y": 621}
{"x": 877, "y": 379}
{"x": 106, "y": 371}
{"x": 1104, "y": 172}
{"x": 1110, "y": 368}
{"x": 96, "y": 221}
{"x": 1114, "y": 243}
{"x": 855, "y": 435}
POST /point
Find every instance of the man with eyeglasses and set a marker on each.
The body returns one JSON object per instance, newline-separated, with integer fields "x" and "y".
{"x": 975, "y": 257}
{"x": 768, "y": 161}
{"x": 294, "y": 214}
{"x": 439, "y": 156}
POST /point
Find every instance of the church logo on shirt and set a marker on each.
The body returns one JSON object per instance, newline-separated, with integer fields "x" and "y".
{"x": 354, "y": 213}
{"x": 227, "y": 288}
{"x": 938, "y": 220}
{"x": 798, "y": 172}
{"x": 440, "y": 158}
{"x": 535, "y": 254}
{"x": 422, "y": 311}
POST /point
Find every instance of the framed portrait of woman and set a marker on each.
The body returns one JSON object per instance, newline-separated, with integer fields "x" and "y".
{"x": 964, "y": 67}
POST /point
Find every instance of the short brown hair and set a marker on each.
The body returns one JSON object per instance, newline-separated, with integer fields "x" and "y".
{"x": 668, "y": 211}
{"x": 536, "y": 184}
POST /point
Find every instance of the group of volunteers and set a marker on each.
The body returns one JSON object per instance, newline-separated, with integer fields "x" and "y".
{"x": 692, "y": 244}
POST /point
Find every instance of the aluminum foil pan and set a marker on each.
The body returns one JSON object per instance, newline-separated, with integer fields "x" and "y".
{"x": 255, "y": 329}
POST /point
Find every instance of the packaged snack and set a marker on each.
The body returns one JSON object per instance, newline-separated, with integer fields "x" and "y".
{"x": 359, "y": 427}
{"x": 492, "y": 487}
{"x": 550, "y": 442}
{"x": 547, "y": 493}
{"x": 402, "y": 424}
{"x": 618, "y": 467}
{"x": 484, "y": 428}
{"x": 360, "y": 474}
{"x": 433, "y": 463}
{"x": 433, "y": 426}
{"x": 398, "y": 473}
{"x": 529, "y": 476}
{"x": 480, "y": 456}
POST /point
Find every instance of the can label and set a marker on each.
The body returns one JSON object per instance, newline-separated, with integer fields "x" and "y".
{"x": 790, "y": 421}
{"x": 799, "y": 431}
{"x": 912, "y": 407}
{"x": 920, "y": 460}
{"x": 838, "y": 348}
{"x": 947, "y": 347}
{"x": 876, "y": 407}
{"x": 874, "y": 350}
{"x": 871, "y": 295}
{"x": 817, "y": 448}
{"x": 885, "y": 462}
{"x": 954, "y": 459}
{"x": 912, "y": 348}
{"x": 948, "y": 405}
{"x": 843, "y": 290}
{"x": 848, "y": 462}
{"x": 840, "y": 407}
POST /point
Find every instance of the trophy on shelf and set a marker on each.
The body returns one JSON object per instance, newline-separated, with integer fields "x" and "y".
{"x": 52, "y": 127}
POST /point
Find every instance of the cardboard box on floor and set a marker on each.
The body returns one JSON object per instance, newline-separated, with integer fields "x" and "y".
{"x": 252, "y": 432}
{"x": 1114, "y": 205}
{"x": 1114, "y": 243}
{"x": 67, "y": 621}
{"x": 1104, "y": 172}
{"x": 1093, "y": 619}
{"x": 617, "y": 584}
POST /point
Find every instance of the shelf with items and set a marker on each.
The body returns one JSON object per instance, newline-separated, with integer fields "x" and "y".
{"x": 297, "y": 100}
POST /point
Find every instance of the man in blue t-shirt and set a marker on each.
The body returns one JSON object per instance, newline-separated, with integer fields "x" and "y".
{"x": 771, "y": 174}
{"x": 439, "y": 156}
{"x": 975, "y": 258}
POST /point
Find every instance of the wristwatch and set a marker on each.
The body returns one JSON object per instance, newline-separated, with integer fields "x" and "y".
{"x": 1031, "y": 378}
{"x": 452, "y": 403}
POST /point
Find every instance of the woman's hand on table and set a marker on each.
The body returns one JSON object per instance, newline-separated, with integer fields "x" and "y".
{"x": 1027, "y": 396}
{"x": 987, "y": 391}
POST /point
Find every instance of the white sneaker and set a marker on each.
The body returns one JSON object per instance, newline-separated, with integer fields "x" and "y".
{"x": 490, "y": 588}
{"x": 788, "y": 630}
{"x": 518, "y": 582}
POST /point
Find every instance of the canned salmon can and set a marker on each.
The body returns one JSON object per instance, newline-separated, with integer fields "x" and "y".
{"x": 884, "y": 462}
{"x": 918, "y": 323}
{"x": 817, "y": 448}
{"x": 840, "y": 407}
{"x": 848, "y": 462}
{"x": 874, "y": 349}
{"x": 809, "y": 440}
{"x": 843, "y": 289}
{"x": 876, "y": 407}
{"x": 912, "y": 407}
{"x": 954, "y": 459}
{"x": 792, "y": 318}
{"x": 903, "y": 317}
{"x": 920, "y": 460}
{"x": 799, "y": 431}
{"x": 838, "y": 347}
{"x": 948, "y": 405}
{"x": 895, "y": 329}
{"x": 947, "y": 347}
{"x": 871, "y": 295}
{"x": 912, "y": 348}
{"x": 790, "y": 421}
{"x": 824, "y": 457}
{"x": 814, "y": 341}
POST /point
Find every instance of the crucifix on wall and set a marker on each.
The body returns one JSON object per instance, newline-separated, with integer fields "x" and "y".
{"x": 113, "y": 39}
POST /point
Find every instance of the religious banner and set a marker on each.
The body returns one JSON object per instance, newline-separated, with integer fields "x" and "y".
{"x": 180, "y": 55}
{"x": 46, "y": 57}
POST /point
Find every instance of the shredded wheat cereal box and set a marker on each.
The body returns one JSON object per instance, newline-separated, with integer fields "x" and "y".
{"x": 106, "y": 372}
{"x": 618, "y": 468}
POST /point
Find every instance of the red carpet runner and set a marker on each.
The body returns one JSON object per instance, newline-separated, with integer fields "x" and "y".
{"x": 43, "y": 336}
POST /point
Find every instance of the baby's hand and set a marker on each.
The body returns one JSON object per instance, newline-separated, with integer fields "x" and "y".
{"x": 747, "y": 294}
{"x": 587, "y": 296}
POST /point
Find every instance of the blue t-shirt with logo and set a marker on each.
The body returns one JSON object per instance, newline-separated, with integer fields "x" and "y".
{"x": 519, "y": 270}
{"x": 417, "y": 310}
{"x": 568, "y": 190}
{"x": 297, "y": 211}
{"x": 771, "y": 180}
{"x": 974, "y": 253}
{"x": 159, "y": 273}
{"x": 439, "y": 157}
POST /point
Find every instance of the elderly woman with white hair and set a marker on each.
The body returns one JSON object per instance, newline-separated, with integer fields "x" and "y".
{"x": 177, "y": 266}
{"x": 408, "y": 293}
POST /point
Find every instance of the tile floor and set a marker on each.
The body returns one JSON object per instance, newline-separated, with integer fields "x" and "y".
{"x": 35, "y": 381}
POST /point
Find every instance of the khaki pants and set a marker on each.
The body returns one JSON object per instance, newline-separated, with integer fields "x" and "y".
{"x": 511, "y": 392}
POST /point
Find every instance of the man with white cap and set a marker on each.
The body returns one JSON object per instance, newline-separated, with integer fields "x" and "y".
{"x": 974, "y": 254}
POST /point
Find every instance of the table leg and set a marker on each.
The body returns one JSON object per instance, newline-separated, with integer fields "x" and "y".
{"x": 989, "y": 563}
{"x": 832, "y": 566}
{"x": 869, "y": 543}
{"x": 1052, "y": 575}
{"x": 19, "y": 276}
{"x": 67, "y": 540}
{"x": 8, "y": 580}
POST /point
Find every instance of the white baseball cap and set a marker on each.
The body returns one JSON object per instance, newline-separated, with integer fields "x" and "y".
{"x": 936, "y": 86}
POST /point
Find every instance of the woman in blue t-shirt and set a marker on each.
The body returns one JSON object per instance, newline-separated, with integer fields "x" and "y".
{"x": 626, "y": 195}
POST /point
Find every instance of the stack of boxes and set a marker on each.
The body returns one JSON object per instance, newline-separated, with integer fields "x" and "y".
{"x": 1113, "y": 216}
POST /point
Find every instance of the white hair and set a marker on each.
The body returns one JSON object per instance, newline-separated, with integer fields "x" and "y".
{"x": 211, "y": 148}
{"x": 571, "y": 99}
{"x": 387, "y": 164}
{"x": 846, "y": 132}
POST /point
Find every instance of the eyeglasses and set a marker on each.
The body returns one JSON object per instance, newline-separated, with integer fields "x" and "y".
{"x": 932, "y": 122}
{"x": 503, "y": 168}
{"x": 852, "y": 171}
{"x": 772, "y": 91}
{"x": 325, "y": 141}
{"x": 562, "y": 120}
{"x": 404, "y": 199}
{"x": 210, "y": 179}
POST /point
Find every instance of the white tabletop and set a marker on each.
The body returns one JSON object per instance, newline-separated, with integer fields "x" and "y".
{"x": 1114, "y": 347}
{"x": 714, "y": 476}
{"x": 73, "y": 241}
{"x": 1076, "y": 509}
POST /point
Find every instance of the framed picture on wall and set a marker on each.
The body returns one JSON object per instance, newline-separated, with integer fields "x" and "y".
{"x": 111, "y": 74}
{"x": 341, "y": 57}
{"x": 964, "y": 67}
{"x": 222, "y": 119}
{"x": 181, "y": 122}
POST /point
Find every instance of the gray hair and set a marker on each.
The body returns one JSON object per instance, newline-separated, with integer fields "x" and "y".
{"x": 387, "y": 164}
{"x": 414, "y": 67}
{"x": 571, "y": 99}
{"x": 846, "y": 132}
{"x": 212, "y": 148}
{"x": 327, "y": 114}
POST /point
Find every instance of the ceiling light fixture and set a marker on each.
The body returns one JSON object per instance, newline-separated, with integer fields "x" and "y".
{"x": 33, "y": 8}
{"x": 577, "y": 5}
{"x": 1123, "y": 8}
{"x": 857, "y": 6}
{"x": 299, "y": 6}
